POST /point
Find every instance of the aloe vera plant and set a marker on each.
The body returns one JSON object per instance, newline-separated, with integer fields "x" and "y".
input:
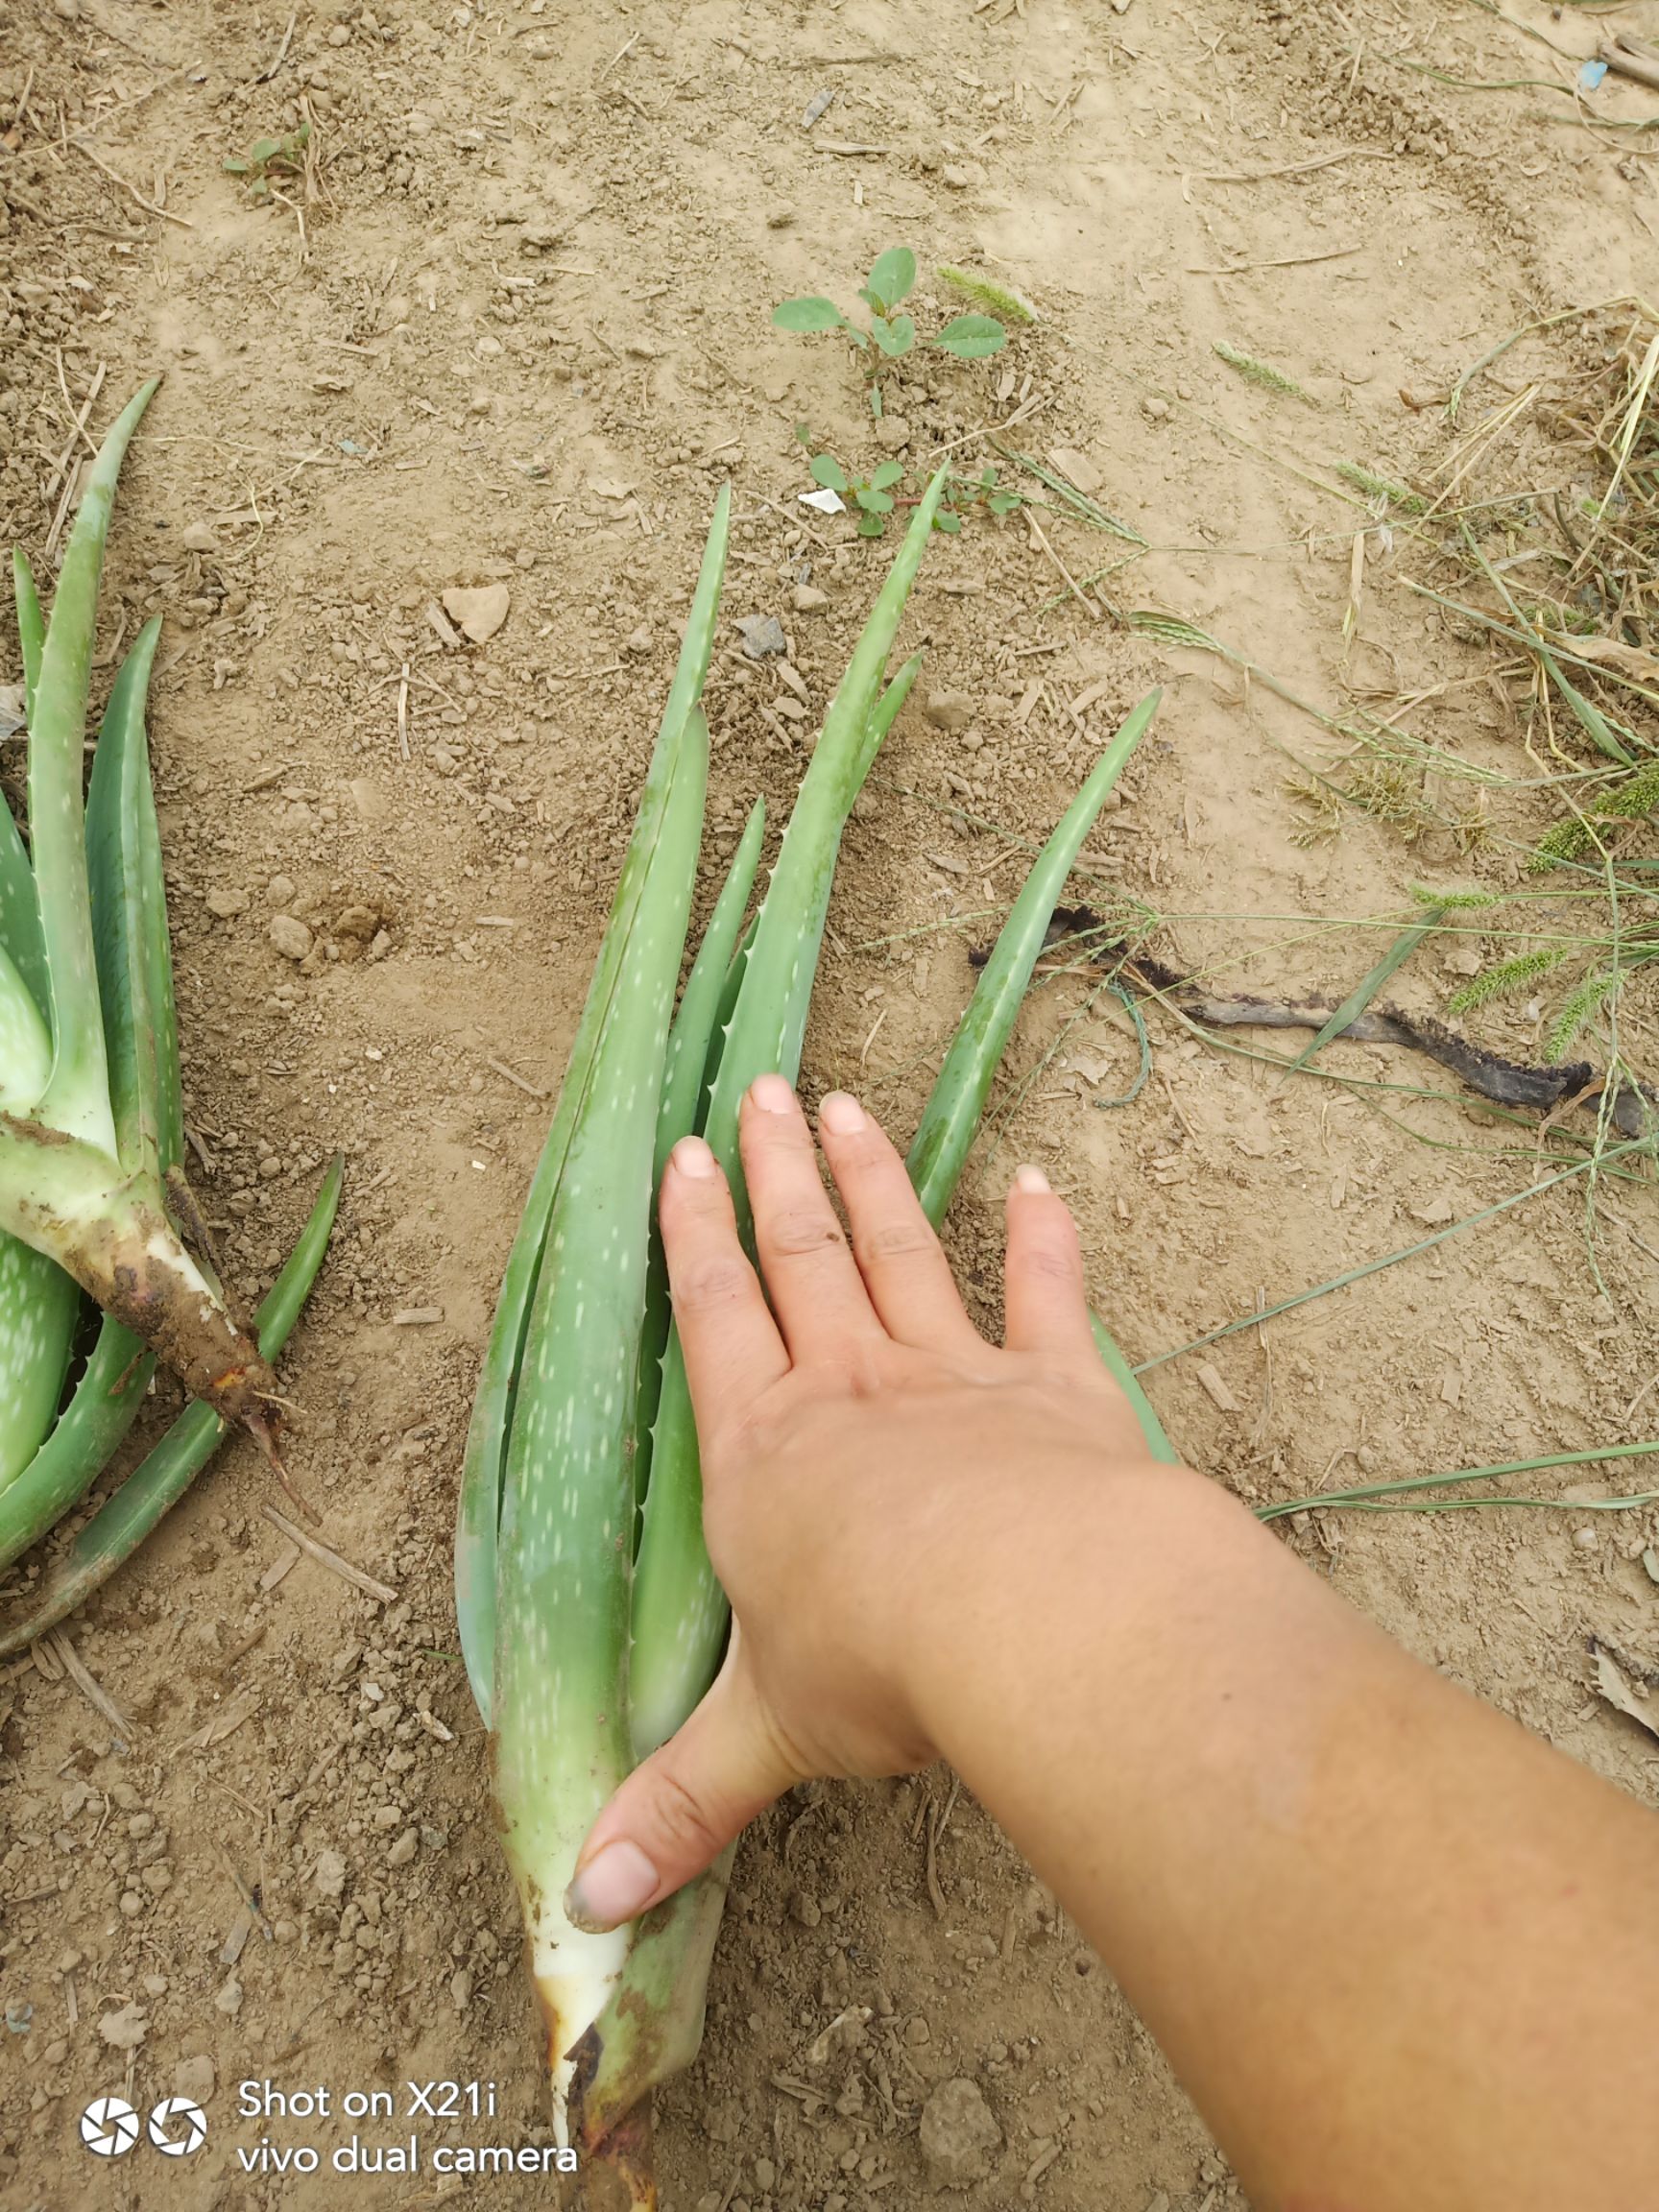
{"x": 81, "y": 1166}
{"x": 91, "y": 1121}
{"x": 591, "y": 1619}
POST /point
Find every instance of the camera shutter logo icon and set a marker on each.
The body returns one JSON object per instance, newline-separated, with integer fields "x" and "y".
{"x": 178, "y": 2126}
{"x": 108, "y": 2127}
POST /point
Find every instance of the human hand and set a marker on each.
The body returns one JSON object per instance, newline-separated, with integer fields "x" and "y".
{"x": 856, "y": 1436}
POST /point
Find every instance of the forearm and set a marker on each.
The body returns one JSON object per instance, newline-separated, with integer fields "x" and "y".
{"x": 1402, "y": 1954}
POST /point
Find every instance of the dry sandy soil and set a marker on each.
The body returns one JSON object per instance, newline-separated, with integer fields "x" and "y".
{"x": 511, "y": 324}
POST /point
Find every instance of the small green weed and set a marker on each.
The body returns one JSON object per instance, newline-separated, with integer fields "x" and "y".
{"x": 871, "y": 495}
{"x": 890, "y": 335}
{"x": 269, "y": 158}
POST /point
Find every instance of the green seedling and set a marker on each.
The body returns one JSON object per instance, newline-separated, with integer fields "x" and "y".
{"x": 890, "y": 335}
{"x": 269, "y": 158}
{"x": 967, "y": 493}
{"x": 872, "y": 496}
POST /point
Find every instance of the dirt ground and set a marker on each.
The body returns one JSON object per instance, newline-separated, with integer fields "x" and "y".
{"x": 510, "y": 323}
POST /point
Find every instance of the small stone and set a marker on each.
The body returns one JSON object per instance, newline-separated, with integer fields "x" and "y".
{"x": 764, "y": 636}
{"x": 291, "y": 938}
{"x": 328, "y": 1875}
{"x": 460, "y": 1990}
{"x": 157, "y": 1877}
{"x": 405, "y": 1849}
{"x": 229, "y": 2001}
{"x": 280, "y": 891}
{"x": 809, "y": 600}
{"x": 892, "y": 433}
{"x": 958, "y": 2134}
{"x": 443, "y": 760}
{"x": 198, "y": 538}
{"x": 1157, "y": 410}
{"x": 126, "y": 2029}
{"x": 638, "y": 640}
{"x": 224, "y": 902}
{"x": 359, "y": 921}
{"x": 195, "y": 2078}
{"x": 957, "y": 177}
{"x": 1586, "y": 1539}
{"x": 478, "y": 614}
{"x": 140, "y": 1825}
{"x": 1077, "y": 468}
{"x": 949, "y": 709}
{"x": 803, "y": 1908}
{"x": 917, "y": 2032}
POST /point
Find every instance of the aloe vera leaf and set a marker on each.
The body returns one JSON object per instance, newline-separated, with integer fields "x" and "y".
{"x": 652, "y": 2025}
{"x": 679, "y": 1612}
{"x": 103, "y": 1405}
{"x": 717, "y": 1036}
{"x": 19, "y": 908}
{"x": 484, "y": 1462}
{"x": 950, "y": 1118}
{"x": 130, "y": 920}
{"x": 129, "y": 1514}
{"x": 564, "y": 1559}
{"x": 31, "y": 627}
{"x": 700, "y": 1000}
{"x": 77, "y": 1099}
{"x": 39, "y": 1303}
{"x": 678, "y": 1113}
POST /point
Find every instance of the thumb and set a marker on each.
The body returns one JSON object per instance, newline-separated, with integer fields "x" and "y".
{"x": 679, "y": 1809}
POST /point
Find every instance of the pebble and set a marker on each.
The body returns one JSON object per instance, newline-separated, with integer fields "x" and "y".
{"x": 957, "y": 177}
{"x": 125, "y": 2030}
{"x": 1157, "y": 410}
{"x": 809, "y": 600}
{"x": 225, "y": 903}
{"x": 949, "y": 709}
{"x": 229, "y": 2001}
{"x": 198, "y": 538}
{"x": 195, "y": 2078}
{"x": 764, "y": 636}
{"x": 638, "y": 640}
{"x": 1077, "y": 468}
{"x": 803, "y": 1908}
{"x": 478, "y": 614}
{"x": 958, "y": 2134}
{"x": 405, "y": 1849}
{"x": 460, "y": 1990}
{"x": 329, "y": 1874}
{"x": 892, "y": 433}
{"x": 280, "y": 891}
{"x": 291, "y": 938}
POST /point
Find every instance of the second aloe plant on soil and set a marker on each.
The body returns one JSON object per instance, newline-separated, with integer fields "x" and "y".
{"x": 590, "y": 1619}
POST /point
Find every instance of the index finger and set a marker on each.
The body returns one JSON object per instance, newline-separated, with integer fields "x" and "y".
{"x": 727, "y": 1338}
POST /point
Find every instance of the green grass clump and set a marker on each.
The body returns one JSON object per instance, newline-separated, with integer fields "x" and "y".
{"x": 1591, "y": 996}
{"x": 1263, "y": 374}
{"x": 1380, "y": 487}
{"x": 985, "y": 291}
{"x": 1503, "y": 980}
{"x": 1632, "y": 801}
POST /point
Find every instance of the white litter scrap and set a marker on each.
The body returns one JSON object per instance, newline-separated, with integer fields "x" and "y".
{"x": 825, "y": 501}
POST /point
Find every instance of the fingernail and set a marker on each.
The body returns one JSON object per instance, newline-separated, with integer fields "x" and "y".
{"x": 1031, "y": 1179}
{"x": 616, "y": 1884}
{"x": 840, "y": 1113}
{"x": 692, "y": 1157}
{"x": 772, "y": 1093}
